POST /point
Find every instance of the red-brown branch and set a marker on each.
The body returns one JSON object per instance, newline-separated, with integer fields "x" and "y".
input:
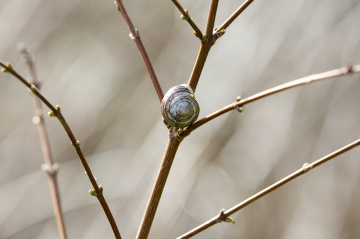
{"x": 50, "y": 168}
{"x": 55, "y": 111}
{"x": 305, "y": 168}
{"x": 188, "y": 19}
{"x": 235, "y": 15}
{"x": 302, "y": 81}
{"x": 169, "y": 155}
{"x": 140, "y": 45}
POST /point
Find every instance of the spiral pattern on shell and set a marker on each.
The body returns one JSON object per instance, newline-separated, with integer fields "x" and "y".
{"x": 179, "y": 107}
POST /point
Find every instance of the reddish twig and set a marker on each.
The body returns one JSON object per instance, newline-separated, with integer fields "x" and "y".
{"x": 235, "y": 15}
{"x": 206, "y": 45}
{"x": 224, "y": 215}
{"x": 49, "y": 167}
{"x": 302, "y": 81}
{"x": 211, "y": 19}
{"x": 134, "y": 34}
{"x": 169, "y": 155}
{"x": 211, "y": 36}
{"x": 56, "y": 112}
{"x": 199, "y": 65}
{"x": 186, "y": 16}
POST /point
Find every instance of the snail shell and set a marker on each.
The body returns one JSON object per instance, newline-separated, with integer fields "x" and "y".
{"x": 179, "y": 107}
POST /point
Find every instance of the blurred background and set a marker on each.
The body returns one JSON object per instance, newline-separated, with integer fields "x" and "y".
{"x": 89, "y": 66}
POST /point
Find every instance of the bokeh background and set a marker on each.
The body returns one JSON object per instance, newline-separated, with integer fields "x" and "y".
{"x": 90, "y": 67}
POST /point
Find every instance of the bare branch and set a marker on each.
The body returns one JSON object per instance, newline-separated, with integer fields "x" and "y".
{"x": 134, "y": 33}
{"x": 186, "y": 16}
{"x": 199, "y": 65}
{"x": 235, "y": 15}
{"x": 211, "y": 19}
{"x": 49, "y": 167}
{"x": 224, "y": 215}
{"x": 206, "y": 45}
{"x": 302, "y": 81}
{"x": 170, "y": 152}
{"x": 56, "y": 112}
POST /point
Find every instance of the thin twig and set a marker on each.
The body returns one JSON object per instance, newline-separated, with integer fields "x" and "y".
{"x": 187, "y": 17}
{"x": 235, "y": 15}
{"x": 211, "y": 18}
{"x": 169, "y": 155}
{"x": 135, "y": 35}
{"x": 205, "y": 47}
{"x": 175, "y": 139}
{"x": 302, "y": 81}
{"x": 199, "y": 65}
{"x": 55, "y": 111}
{"x": 224, "y": 215}
{"x": 49, "y": 167}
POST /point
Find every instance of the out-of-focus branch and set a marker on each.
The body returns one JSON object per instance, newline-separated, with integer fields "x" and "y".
{"x": 350, "y": 68}
{"x": 135, "y": 35}
{"x": 56, "y": 112}
{"x": 49, "y": 167}
{"x": 186, "y": 16}
{"x": 224, "y": 215}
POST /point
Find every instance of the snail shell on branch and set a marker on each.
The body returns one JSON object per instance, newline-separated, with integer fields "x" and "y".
{"x": 179, "y": 107}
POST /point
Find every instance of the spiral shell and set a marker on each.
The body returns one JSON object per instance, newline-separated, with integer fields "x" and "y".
{"x": 179, "y": 107}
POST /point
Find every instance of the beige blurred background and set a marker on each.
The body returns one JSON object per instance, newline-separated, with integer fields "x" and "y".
{"x": 90, "y": 67}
